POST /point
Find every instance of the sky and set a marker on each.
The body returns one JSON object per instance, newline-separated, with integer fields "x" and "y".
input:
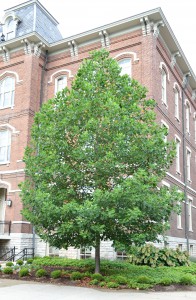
{"x": 76, "y": 16}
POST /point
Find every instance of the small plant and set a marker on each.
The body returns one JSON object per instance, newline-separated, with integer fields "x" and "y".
{"x": 166, "y": 281}
{"x": 88, "y": 274}
{"x": 29, "y": 261}
{"x": 144, "y": 279}
{"x": 9, "y": 264}
{"x": 8, "y": 270}
{"x": 56, "y": 274}
{"x": 97, "y": 276}
{"x": 186, "y": 279}
{"x": 23, "y": 272}
{"x": 102, "y": 284}
{"x": 139, "y": 286}
{"x": 19, "y": 262}
{"x": 76, "y": 276}
{"x": 121, "y": 280}
{"x": 112, "y": 285}
{"x": 94, "y": 282}
{"x": 41, "y": 273}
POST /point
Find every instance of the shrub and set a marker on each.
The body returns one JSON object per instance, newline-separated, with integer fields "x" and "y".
{"x": 19, "y": 262}
{"x": 41, "y": 273}
{"x": 121, "y": 280}
{"x": 112, "y": 285}
{"x": 9, "y": 264}
{"x": 102, "y": 284}
{"x": 144, "y": 279}
{"x": 56, "y": 274}
{"x": 94, "y": 282}
{"x": 8, "y": 270}
{"x": 76, "y": 276}
{"x": 97, "y": 276}
{"x": 29, "y": 261}
{"x": 154, "y": 257}
{"x": 23, "y": 272}
{"x": 88, "y": 274}
{"x": 166, "y": 281}
{"x": 139, "y": 286}
{"x": 186, "y": 279}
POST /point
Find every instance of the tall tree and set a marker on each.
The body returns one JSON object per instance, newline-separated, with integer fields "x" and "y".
{"x": 95, "y": 162}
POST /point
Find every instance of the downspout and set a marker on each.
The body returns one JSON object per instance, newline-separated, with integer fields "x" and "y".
{"x": 185, "y": 83}
{"x": 41, "y": 101}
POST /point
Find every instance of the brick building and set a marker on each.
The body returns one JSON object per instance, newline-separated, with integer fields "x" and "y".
{"x": 36, "y": 62}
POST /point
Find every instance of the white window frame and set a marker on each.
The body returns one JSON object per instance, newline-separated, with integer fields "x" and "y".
{"x": 178, "y": 142}
{"x": 3, "y": 92}
{"x": 7, "y": 146}
{"x": 180, "y": 247}
{"x": 187, "y": 116}
{"x": 125, "y": 64}
{"x": 121, "y": 255}
{"x": 177, "y": 97}
{"x": 195, "y": 125}
{"x": 191, "y": 249}
{"x": 164, "y": 124}
{"x": 85, "y": 253}
{"x": 190, "y": 217}
{"x": 64, "y": 77}
{"x": 164, "y": 86}
{"x": 188, "y": 164}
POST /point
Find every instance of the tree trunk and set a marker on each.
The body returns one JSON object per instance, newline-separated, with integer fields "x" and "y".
{"x": 97, "y": 256}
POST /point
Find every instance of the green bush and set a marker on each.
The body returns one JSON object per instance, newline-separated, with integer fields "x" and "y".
{"x": 166, "y": 281}
{"x": 121, "y": 280}
{"x": 8, "y": 270}
{"x": 19, "y": 262}
{"x": 56, "y": 274}
{"x": 94, "y": 282}
{"x": 76, "y": 276}
{"x": 102, "y": 284}
{"x": 186, "y": 280}
{"x": 139, "y": 286}
{"x": 144, "y": 279}
{"x": 9, "y": 264}
{"x": 41, "y": 273}
{"x": 29, "y": 261}
{"x": 112, "y": 285}
{"x": 154, "y": 257}
{"x": 23, "y": 272}
{"x": 97, "y": 276}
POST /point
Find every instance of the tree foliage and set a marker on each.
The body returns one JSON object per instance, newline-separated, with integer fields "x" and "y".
{"x": 95, "y": 161}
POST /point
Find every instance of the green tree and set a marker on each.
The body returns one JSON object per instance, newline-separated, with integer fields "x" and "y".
{"x": 95, "y": 162}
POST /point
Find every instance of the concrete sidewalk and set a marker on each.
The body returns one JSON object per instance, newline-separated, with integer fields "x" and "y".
{"x": 23, "y": 290}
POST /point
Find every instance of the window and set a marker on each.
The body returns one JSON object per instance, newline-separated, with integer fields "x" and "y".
{"x": 195, "y": 126}
{"x": 166, "y": 127}
{"x": 164, "y": 86}
{"x": 5, "y": 143}
{"x": 187, "y": 118}
{"x": 125, "y": 65}
{"x": 85, "y": 253}
{"x": 179, "y": 221}
{"x": 191, "y": 249}
{"x": 61, "y": 83}
{"x": 10, "y": 29}
{"x": 7, "y": 87}
{"x": 177, "y": 155}
{"x": 121, "y": 255}
{"x": 188, "y": 164}
{"x": 176, "y": 93}
{"x": 180, "y": 247}
{"x": 190, "y": 215}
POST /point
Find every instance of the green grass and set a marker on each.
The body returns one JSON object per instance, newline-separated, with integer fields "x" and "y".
{"x": 134, "y": 276}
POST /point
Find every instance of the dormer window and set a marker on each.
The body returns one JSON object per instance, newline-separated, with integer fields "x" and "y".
{"x": 10, "y": 30}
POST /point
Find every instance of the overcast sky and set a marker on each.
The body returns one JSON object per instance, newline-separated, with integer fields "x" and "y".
{"x": 76, "y": 16}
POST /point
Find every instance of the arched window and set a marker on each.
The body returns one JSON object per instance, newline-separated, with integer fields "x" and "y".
{"x": 60, "y": 83}
{"x": 164, "y": 86}
{"x": 7, "y": 88}
{"x": 125, "y": 65}
{"x": 11, "y": 26}
{"x": 187, "y": 117}
{"x": 5, "y": 144}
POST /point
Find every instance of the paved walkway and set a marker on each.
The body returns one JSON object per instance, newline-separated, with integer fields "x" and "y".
{"x": 21, "y": 290}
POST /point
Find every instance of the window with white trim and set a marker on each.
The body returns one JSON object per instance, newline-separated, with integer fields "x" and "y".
{"x": 164, "y": 125}
{"x": 5, "y": 145}
{"x": 60, "y": 83}
{"x": 164, "y": 86}
{"x": 180, "y": 247}
{"x": 187, "y": 117}
{"x": 177, "y": 155}
{"x": 7, "y": 88}
{"x": 85, "y": 253}
{"x": 191, "y": 249}
{"x": 188, "y": 164}
{"x": 179, "y": 220}
{"x": 121, "y": 255}
{"x": 190, "y": 215}
{"x": 195, "y": 126}
{"x": 176, "y": 94}
{"x": 125, "y": 65}
{"x": 10, "y": 29}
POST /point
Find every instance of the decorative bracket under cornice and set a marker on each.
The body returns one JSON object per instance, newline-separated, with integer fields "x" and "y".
{"x": 38, "y": 48}
{"x": 173, "y": 58}
{"x": 73, "y": 48}
{"x": 27, "y": 46}
{"x": 194, "y": 95}
{"x": 5, "y": 53}
{"x": 146, "y": 27}
{"x": 105, "y": 41}
{"x": 156, "y": 28}
{"x": 185, "y": 79}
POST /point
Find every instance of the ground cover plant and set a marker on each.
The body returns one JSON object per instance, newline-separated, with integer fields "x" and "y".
{"x": 114, "y": 274}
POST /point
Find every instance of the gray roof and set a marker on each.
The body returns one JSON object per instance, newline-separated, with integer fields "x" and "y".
{"x": 35, "y": 18}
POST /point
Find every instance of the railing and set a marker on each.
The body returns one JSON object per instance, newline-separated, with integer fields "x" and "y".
{"x": 11, "y": 254}
{"x": 5, "y": 227}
